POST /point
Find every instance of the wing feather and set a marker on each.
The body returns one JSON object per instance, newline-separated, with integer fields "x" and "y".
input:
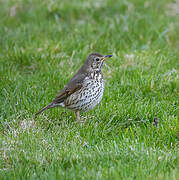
{"x": 74, "y": 85}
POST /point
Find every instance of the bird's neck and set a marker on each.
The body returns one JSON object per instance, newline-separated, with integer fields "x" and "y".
{"x": 96, "y": 74}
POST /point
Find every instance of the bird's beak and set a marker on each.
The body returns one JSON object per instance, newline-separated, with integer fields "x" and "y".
{"x": 107, "y": 56}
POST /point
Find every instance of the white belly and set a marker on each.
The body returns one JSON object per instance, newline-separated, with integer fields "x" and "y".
{"x": 87, "y": 97}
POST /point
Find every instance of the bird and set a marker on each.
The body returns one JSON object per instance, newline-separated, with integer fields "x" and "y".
{"x": 85, "y": 90}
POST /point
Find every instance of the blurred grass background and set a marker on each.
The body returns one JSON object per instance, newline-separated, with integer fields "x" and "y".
{"x": 43, "y": 43}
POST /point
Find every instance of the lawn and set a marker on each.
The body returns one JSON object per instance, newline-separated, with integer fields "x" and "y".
{"x": 42, "y": 45}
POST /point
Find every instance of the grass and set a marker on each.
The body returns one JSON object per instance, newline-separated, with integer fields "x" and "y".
{"x": 43, "y": 43}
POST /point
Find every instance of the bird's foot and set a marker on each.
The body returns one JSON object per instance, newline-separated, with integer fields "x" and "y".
{"x": 82, "y": 120}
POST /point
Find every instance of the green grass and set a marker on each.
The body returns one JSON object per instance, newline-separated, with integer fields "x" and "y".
{"x": 43, "y": 43}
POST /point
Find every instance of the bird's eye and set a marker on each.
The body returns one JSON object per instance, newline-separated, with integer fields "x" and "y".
{"x": 97, "y": 59}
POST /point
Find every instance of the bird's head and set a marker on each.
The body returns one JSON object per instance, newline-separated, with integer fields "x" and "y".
{"x": 95, "y": 61}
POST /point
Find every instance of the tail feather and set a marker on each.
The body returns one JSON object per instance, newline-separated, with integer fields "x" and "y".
{"x": 45, "y": 108}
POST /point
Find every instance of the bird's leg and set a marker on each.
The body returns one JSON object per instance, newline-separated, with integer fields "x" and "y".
{"x": 77, "y": 115}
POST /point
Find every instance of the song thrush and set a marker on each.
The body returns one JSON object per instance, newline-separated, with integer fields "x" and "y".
{"x": 85, "y": 89}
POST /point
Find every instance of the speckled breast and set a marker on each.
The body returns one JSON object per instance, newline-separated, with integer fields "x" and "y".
{"x": 88, "y": 96}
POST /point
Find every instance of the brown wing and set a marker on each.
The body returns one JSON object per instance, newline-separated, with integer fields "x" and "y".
{"x": 74, "y": 85}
